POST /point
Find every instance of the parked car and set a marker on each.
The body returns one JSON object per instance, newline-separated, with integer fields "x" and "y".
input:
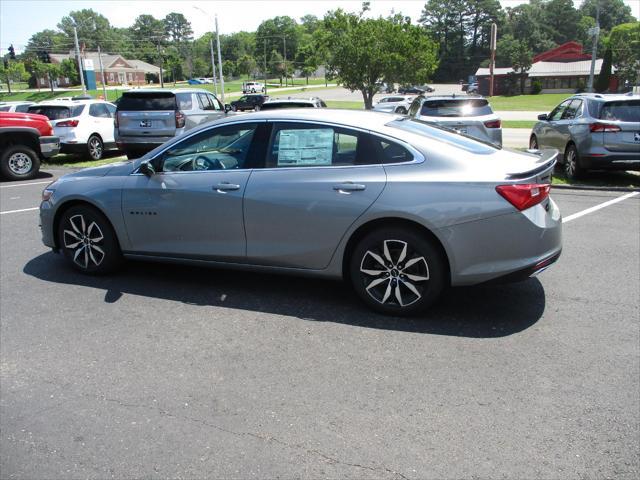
{"x": 84, "y": 126}
{"x": 15, "y": 106}
{"x": 25, "y": 140}
{"x": 399, "y": 208}
{"x": 386, "y": 88}
{"x": 592, "y": 132}
{"x": 394, "y": 104}
{"x": 469, "y": 116}
{"x": 199, "y": 81}
{"x": 415, "y": 89}
{"x": 279, "y": 103}
{"x": 252, "y": 87}
{"x": 146, "y": 119}
{"x": 472, "y": 89}
{"x": 249, "y": 102}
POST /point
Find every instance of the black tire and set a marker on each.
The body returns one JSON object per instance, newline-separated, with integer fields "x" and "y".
{"x": 571, "y": 163}
{"x": 533, "y": 143}
{"x": 256, "y": 108}
{"x": 401, "y": 110}
{"x": 95, "y": 147}
{"x": 427, "y": 274}
{"x": 234, "y": 108}
{"x": 19, "y": 162}
{"x": 87, "y": 240}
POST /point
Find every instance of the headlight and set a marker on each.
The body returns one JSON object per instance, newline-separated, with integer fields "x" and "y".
{"x": 46, "y": 194}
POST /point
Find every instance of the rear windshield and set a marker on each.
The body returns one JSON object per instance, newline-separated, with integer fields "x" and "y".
{"x": 622, "y": 110}
{"x": 274, "y": 106}
{"x": 443, "y": 134}
{"x": 456, "y": 108}
{"x": 5, "y": 108}
{"x": 54, "y": 112}
{"x": 135, "y": 102}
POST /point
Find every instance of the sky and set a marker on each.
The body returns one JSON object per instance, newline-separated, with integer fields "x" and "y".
{"x": 20, "y": 19}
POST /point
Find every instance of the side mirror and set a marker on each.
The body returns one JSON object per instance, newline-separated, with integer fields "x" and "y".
{"x": 146, "y": 169}
{"x": 227, "y": 108}
{"x": 543, "y": 117}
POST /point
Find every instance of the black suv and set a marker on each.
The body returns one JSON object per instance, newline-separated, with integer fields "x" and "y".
{"x": 415, "y": 89}
{"x": 249, "y": 102}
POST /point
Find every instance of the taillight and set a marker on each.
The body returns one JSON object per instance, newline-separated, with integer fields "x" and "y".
{"x": 603, "y": 127}
{"x": 180, "y": 119}
{"x": 68, "y": 123}
{"x": 523, "y": 196}
{"x": 493, "y": 123}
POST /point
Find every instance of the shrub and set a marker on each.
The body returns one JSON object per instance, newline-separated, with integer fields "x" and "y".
{"x": 536, "y": 87}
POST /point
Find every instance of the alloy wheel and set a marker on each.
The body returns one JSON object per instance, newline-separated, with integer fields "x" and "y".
{"x": 394, "y": 274}
{"x": 20, "y": 163}
{"x": 533, "y": 143}
{"x": 95, "y": 148}
{"x": 86, "y": 241}
{"x": 570, "y": 163}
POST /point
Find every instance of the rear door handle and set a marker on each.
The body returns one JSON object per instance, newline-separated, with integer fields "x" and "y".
{"x": 226, "y": 186}
{"x": 347, "y": 187}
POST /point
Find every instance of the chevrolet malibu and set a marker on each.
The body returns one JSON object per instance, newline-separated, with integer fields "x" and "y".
{"x": 398, "y": 208}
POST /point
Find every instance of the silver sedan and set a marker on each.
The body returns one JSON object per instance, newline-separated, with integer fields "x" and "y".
{"x": 398, "y": 208}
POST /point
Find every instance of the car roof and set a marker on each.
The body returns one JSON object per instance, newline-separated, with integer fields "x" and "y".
{"x": 68, "y": 103}
{"x": 17, "y": 102}
{"x": 452, "y": 97}
{"x": 293, "y": 100}
{"x": 606, "y": 97}
{"x": 172, "y": 90}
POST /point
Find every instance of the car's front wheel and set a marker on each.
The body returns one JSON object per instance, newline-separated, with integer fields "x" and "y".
{"x": 19, "y": 162}
{"x": 397, "y": 271}
{"x": 95, "y": 148}
{"x": 572, "y": 168}
{"x": 401, "y": 110}
{"x": 88, "y": 241}
{"x": 533, "y": 143}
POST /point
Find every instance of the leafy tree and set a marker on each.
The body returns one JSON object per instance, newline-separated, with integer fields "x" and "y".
{"x": 54, "y": 72}
{"x": 612, "y": 12}
{"x": 307, "y": 60}
{"x": 246, "y": 65}
{"x": 177, "y": 28}
{"x": 624, "y": 42}
{"x": 560, "y": 20}
{"x": 602, "y": 82}
{"x": 148, "y": 34}
{"x": 93, "y": 28}
{"x": 517, "y": 54}
{"x": 49, "y": 40}
{"x": 363, "y": 52}
{"x": 39, "y": 70}
{"x": 13, "y": 72}
{"x": 276, "y": 34}
{"x": 309, "y": 24}
{"x": 69, "y": 69}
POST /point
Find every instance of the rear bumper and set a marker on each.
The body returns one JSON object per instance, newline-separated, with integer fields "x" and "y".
{"x": 73, "y": 148}
{"x": 49, "y": 146}
{"x": 140, "y": 144}
{"x": 616, "y": 161}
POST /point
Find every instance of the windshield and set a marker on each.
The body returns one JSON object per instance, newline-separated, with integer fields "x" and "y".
{"x": 456, "y": 108}
{"x": 443, "y": 134}
{"x": 54, "y": 112}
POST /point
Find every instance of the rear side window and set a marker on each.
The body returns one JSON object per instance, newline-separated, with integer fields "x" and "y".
{"x": 184, "y": 101}
{"x": 99, "y": 110}
{"x": 456, "y": 108}
{"x": 392, "y": 152}
{"x": 623, "y": 111}
{"x": 135, "y": 102}
{"x": 22, "y": 108}
{"x": 5, "y": 109}
{"x": 54, "y": 112}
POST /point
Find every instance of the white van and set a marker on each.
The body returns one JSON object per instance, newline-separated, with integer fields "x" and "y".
{"x": 252, "y": 87}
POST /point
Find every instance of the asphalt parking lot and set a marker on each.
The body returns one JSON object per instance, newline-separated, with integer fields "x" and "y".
{"x": 163, "y": 371}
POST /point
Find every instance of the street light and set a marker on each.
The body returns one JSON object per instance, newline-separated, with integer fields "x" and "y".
{"x": 213, "y": 59}
{"x": 212, "y": 56}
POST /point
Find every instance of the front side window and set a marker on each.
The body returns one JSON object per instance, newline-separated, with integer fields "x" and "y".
{"x": 300, "y": 145}
{"x": 216, "y": 104}
{"x": 204, "y": 101}
{"x": 557, "y": 112}
{"x": 572, "y": 110}
{"x": 221, "y": 148}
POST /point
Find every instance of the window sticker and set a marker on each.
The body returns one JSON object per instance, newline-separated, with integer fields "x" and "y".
{"x": 307, "y": 147}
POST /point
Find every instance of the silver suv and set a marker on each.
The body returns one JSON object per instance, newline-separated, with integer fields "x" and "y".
{"x": 470, "y": 116}
{"x": 592, "y": 131}
{"x": 146, "y": 119}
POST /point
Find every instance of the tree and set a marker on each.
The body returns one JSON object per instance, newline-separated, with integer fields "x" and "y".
{"x": 54, "y": 71}
{"x": 612, "y": 12}
{"x": 307, "y": 59}
{"x": 246, "y": 65}
{"x": 517, "y": 54}
{"x": 363, "y": 52}
{"x": 69, "y": 69}
{"x": 602, "y": 82}
{"x": 93, "y": 29}
{"x": 48, "y": 40}
{"x": 179, "y": 32}
{"x": 560, "y": 20}
{"x": 624, "y": 42}
{"x": 148, "y": 34}
{"x": 39, "y": 70}
{"x": 13, "y": 72}
{"x": 279, "y": 34}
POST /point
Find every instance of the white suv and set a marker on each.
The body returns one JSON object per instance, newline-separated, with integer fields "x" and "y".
{"x": 84, "y": 126}
{"x": 252, "y": 87}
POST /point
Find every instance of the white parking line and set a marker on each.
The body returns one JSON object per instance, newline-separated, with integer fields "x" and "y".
{"x": 25, "y": 184}
{"x": 598, "y": 207}
{"x": 21, "y": 210}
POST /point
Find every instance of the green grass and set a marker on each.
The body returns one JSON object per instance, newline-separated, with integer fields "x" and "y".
{"x": 599, "y": 179}
{"x": 518, "y": 123}
{"x": 75, "y": 161}
{"x": 544, "y": 102}
{"x": 345, "y": 104}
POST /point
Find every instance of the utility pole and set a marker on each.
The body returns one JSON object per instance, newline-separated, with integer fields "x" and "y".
{"x": 594, "y": 50}
{"x": 220, "y": 60}
{"x": 104, "y": 88}
{"x": 79, "y": 60}
{"x": 284, "y": 39}
{"x": 264, "y": 46}
{"x": 494, "y": 37}
{"x": 213, "y": 66}
{"x": 161, "y": 65}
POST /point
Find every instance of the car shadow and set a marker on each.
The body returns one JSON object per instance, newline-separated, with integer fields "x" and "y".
{"x": 485, "y": 311}
{"x": 40, "y": 175}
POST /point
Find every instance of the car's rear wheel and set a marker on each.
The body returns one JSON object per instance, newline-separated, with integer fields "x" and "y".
{"x": 572, "y": 168}
{"x": 533, "y": 143}
{"x": 257, "y": 108}
{"x": 19, "y": 162}
{"x": 401, "y": 110}
{"x": 397, "y": 271}
{"x": 88, "y": 241}
{"x": 95, "y": 148}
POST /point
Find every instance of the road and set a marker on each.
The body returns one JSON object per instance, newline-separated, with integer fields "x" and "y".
{"x": 164, "y": 371}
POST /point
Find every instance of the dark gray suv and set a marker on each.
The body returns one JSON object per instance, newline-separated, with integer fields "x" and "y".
{"x": 592, "y": 132}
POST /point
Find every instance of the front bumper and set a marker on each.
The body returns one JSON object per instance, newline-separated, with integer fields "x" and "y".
{"x": 49, "y": 146}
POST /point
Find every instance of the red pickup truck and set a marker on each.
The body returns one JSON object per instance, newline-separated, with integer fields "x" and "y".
{"x": 25, "y": 139}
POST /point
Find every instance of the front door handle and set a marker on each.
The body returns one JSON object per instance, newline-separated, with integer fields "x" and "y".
{"x": 348, "y": 187}
{"x": 226, "y": 186}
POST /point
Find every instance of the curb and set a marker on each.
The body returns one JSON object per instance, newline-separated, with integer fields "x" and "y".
{"x": 594, "y": 188}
